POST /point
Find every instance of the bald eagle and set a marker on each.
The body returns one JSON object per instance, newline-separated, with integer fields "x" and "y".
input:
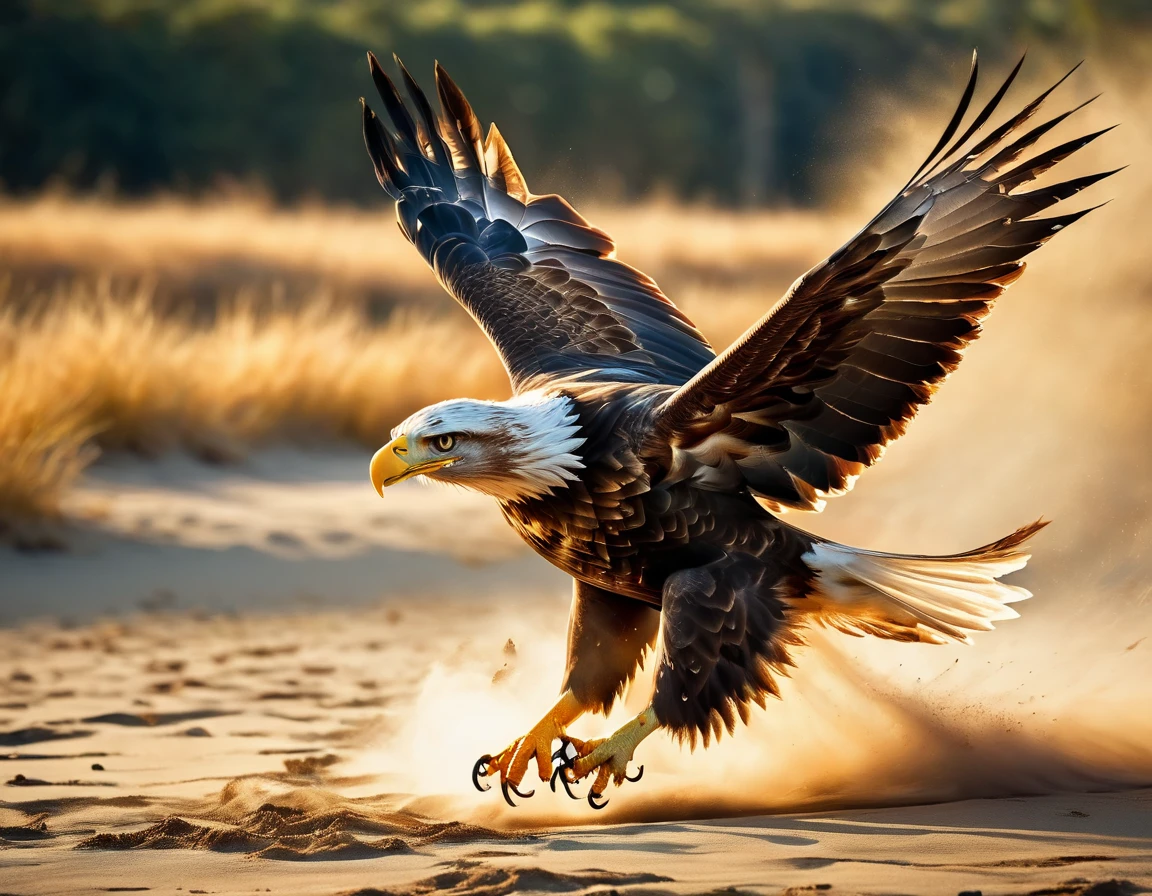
{"x": 652, "y": 469}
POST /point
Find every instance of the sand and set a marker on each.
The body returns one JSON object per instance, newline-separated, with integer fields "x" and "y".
{"x": 279, "y": 754}
{"x": 284, "y": 528}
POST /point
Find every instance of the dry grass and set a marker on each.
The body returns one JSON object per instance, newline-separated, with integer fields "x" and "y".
{"x": 93, "y": 370}
{"x": 44, "y": 446}
{"x": 94, "y": 361}
{"x": 174, "y": 238}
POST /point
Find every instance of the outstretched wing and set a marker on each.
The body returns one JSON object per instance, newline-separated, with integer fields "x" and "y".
{"x": 807, "y": 399}
{"x": 538, "y": 278}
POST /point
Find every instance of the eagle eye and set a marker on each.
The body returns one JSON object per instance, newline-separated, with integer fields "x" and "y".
{"x": 444, "y": 442}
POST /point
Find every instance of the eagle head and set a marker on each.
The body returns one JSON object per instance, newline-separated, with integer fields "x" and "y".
{"x": 521, "y": 448}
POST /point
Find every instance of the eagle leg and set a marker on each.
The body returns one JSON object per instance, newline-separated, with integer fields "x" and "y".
{"x": 512, "y": 762}
{"x": 608, "y": 758}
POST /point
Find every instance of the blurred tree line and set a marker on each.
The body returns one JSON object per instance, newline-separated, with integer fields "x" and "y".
{"x": 735, "y": 101}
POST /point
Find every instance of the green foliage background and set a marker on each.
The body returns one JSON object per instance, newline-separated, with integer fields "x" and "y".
{"x": 596, "y": 98}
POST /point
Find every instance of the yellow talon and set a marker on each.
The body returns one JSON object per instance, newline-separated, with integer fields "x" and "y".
{"x": 609, "y": 757}
{"x": 512, "y": 762}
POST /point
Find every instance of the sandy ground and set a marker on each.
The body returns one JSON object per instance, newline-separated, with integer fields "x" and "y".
{"x": 284, "y": 529}
{"x": 316, "y": 745}
{"x": 240, "y": 755}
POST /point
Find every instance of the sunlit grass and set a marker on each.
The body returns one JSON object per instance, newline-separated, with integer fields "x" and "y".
{"x": 228, "y": 240}
{"x": 92, "y": 370}
{"x": 44, "y": 444}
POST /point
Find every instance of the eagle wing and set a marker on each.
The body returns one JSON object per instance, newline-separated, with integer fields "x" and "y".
{"x": 808, "y": 397}
{"x": 723, "y": 641}
{"x": 539, "y": 279}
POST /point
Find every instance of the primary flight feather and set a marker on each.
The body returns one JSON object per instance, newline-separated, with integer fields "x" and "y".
{"x": 648, "y": 467}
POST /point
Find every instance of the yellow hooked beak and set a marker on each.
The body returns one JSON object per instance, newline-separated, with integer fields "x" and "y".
{"x": 392, "y": 464}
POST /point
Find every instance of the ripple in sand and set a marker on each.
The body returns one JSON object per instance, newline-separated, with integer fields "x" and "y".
{"x": 32, "y": 757}
{"x": 35, "y": 735}
{"x": 35, "y": 829}
{"x": 284, "y": 832}
{"x": 478, "y": 879}
{"x": 152, "y": 719}
{"x": 176, "y": 833}
{"x": 310, "y": 765}
{"x": 22, "y": 781}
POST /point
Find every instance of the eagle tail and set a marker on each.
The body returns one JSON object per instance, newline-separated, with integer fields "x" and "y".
{"x": 917, "y": 598}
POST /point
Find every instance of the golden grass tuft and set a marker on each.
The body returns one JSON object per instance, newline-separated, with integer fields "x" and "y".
{"x": 44, "y": 446}
{"x": 94, "y": 370}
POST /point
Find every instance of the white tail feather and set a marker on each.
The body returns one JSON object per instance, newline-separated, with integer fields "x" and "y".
{"x": 917, "y": 598}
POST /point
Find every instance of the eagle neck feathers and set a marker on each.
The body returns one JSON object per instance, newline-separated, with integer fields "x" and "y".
{"x": 546, "y": 431}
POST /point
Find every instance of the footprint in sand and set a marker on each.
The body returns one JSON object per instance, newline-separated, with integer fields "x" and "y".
{"x": 283, "y": 540}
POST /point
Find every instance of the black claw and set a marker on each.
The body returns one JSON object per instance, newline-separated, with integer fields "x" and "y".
{"x": 505, "y": 786}
{"x": 639, "y": 775}
{"x": 481, "y": 768}
{"x": 566, "y": 762}
{"x": 559, "y": 774}
{"x": 592, "y": 797}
